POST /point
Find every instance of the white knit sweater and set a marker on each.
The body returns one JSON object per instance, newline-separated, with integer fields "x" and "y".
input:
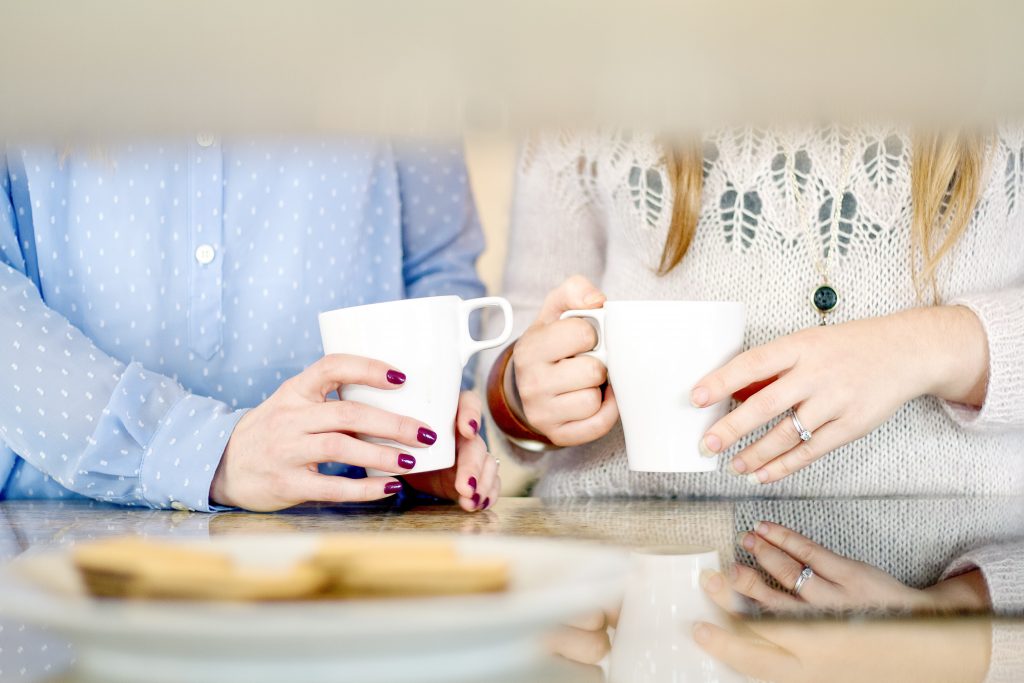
{"x": 600, "y": 206}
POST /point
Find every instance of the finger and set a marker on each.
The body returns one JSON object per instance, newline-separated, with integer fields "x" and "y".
{"x": 555, "y": 341}
{"x": 716, "y": 587}
{"x": 786, "y": 570}
{"x": 756, "y": 364}
{"x": 752, "y": 657}
{"x": 332, "y": 489}
{"x": 495, "y": 493}
{"x": 333, "y": 370}
{"x": 348, "y": 450}
{"x": 758, "y": 410}
{"x": 824, "y": 562}
{"x": 749, "y": 583}
{"x": 591, "y": 621}
{"x": 359, "y": 418}
{"x": 594, "y": 427}
{"x": 826, "y": 438}
{"x": 471, "y": 459}
{"x": 573, "y": 374}
{"x": 577, "y": 405}
{"x": 467, "y": 419}
{"x": 579, "y": 645}
{"x": 576, "y": 292}
{"x": 488, "y": 477}
{"x": 782, "y": 437}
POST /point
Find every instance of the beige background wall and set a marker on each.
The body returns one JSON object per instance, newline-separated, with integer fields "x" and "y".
{"x": 491, "y": 162}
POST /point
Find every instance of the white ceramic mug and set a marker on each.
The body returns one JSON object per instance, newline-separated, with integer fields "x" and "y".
{"x": 655, "y": 352}
{"x": 653, "y": 639}
{"x": 427, "y": 339}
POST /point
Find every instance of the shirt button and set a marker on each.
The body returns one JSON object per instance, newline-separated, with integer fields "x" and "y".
{"x": 205, "y": 139}
{"x": 179, "y": 506}
{"x": 205, "y": 253}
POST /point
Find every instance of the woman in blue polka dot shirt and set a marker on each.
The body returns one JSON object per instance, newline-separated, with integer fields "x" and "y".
{"x": 158, "y": 319}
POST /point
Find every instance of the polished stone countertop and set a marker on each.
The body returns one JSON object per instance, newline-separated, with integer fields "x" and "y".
{"x": 898, "y": 536}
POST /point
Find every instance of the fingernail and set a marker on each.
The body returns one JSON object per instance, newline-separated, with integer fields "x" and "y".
{"x": 392, "y": 487}
{"x": 711, "y": 581}
{"x": 746, "y": 540}
{"x": 475, "y": 426}
{"x": 752, "y": 479}
{"x": 737, "y": 466}
{"x": 487, "y": 503}
{"x": 406, "y": 461}
{"x": 426, "y": 436}
{"x": 699, "y": 397}
{"x": 593, "y": 299}
{"x": 710, "y": 445}
{"x": 701, "y": 632}
{"x": 476, "y": 500}
{"x": 396, "y": 377}
{"x": 762, "y": 529}
{"x": 472, "y": 483}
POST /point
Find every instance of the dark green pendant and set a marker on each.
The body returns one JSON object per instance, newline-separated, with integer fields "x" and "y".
{"x": 825, "y": 298}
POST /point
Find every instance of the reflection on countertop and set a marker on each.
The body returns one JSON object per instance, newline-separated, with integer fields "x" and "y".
{"x": 913, "y": 540}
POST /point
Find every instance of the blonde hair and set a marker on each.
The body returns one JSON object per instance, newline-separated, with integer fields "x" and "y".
{"x": 945, "y": 175}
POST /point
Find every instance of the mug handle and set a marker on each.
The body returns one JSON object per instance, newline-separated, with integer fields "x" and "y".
{"x": 471, "y": 346}
{"x": 600, "y": 351}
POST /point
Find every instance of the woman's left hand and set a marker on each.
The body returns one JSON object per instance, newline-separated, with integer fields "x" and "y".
{"x": 842, "y": 381}
{"x": 837, "y": 583}
{"x": 474, "y": 481}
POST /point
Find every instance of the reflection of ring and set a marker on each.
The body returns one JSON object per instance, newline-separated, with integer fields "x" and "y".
{"x": 804, "y": 432}
{"x": 806, "y": 574}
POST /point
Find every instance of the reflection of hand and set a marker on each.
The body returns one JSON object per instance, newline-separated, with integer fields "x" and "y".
{"x": 473, "y": 482}
{"x": 838, "y": 583}
{"x": 585, "y": 639}
{"x": 876, "y": 651}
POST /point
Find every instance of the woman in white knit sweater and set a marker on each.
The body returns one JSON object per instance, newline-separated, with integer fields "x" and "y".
{"x": 883, "y": 277}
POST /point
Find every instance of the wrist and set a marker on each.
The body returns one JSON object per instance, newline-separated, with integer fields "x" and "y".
{"x": 966, "y": 592}
{"x": 502, "y": 405}
{"x": 955, "y": 367}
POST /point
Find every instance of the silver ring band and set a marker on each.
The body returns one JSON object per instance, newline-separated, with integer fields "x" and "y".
{"x": 804, "y": 432}
{"x": 805, "y": 575}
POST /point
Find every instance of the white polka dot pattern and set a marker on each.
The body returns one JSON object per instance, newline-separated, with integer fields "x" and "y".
{"x": 149, "y": 294}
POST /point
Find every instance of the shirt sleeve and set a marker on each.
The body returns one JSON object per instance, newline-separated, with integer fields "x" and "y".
{"x": 101, "y": 428}
{"x": 441, "y": 234}
{"x": 1002, "y": 316}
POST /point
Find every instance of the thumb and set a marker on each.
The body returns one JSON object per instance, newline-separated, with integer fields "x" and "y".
{"x": 576, "y": 292}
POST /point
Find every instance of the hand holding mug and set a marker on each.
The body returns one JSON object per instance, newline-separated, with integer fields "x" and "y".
{"x": 560, "y": 389}
{"x": 271, "y": 459}
{"x": 474, "y": 481}
{"x": 842, "y": 381}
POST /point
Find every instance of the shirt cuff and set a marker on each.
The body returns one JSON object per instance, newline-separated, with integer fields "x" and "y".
{"x": 1002, "y": 317}
{"x": 1002, "y": 566}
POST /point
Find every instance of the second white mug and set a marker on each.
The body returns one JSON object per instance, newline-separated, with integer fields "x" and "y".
{"x": 655, "y": 351}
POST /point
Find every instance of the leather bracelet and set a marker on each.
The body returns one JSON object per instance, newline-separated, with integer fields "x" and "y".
{"x": 501, "y": 413}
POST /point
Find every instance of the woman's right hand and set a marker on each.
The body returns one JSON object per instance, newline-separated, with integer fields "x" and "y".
{"x": 271, "y": 459}
{"x": 560, "y": 392}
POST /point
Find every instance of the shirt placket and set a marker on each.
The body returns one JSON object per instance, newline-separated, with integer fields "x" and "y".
{"x": 206, "y": 242}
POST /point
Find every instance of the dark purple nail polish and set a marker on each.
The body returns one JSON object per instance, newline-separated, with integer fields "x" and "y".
{"x": 472, "y": 482}
{"x": 396, "y": 377}
{"x": 487, "y": 503}
{"x": 406, "y": 461}
{"x": 426, "y": 436}
{"x": 476, "y": 500}
{"x": 475, "y": 426}
{"x": 392, "y": 487}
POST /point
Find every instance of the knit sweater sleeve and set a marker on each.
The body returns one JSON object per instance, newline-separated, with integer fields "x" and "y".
{"x": 554, "y": 232}
{"x": 1002, "y": 316}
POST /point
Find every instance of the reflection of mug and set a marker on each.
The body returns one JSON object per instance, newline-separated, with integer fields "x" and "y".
{"x": 655, "y": 351}
{"x": 653, "y": 639}
{"x": 427, "y": 339}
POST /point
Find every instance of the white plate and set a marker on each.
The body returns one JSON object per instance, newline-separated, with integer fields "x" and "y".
{"x": 421, "y": 639}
